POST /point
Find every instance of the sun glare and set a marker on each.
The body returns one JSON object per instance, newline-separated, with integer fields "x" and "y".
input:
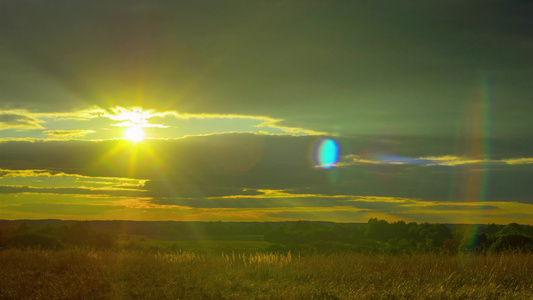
{"x": 132, "y": 116}
{"x": 134, "y": 133}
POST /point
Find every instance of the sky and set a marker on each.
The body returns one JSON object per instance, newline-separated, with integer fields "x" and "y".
{"x": 267, "y": 110}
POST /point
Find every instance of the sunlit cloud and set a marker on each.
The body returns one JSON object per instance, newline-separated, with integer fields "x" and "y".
{"x": 19, "y": 120}
{"x": 375, "y": 199}
{"x": 353, "y": 159}
{"x": 144, "y": 203}
{"x": 105, "y": 124}
{"x": 130, "y": 124}
{"x": 26, "y": 173}
{"x": 46, "y": 178}
{"x": 58, "y": 183}
{"x": 68, "y": 133}
{"x": 519, "y": 161}
{"x": 33, "y": 203}
{"x": 273, "y": 194}
{"x": 63, "y": 210}
{"x": 137, "y": 115}
{"x": 265, "y": 122}
{"x": 454, "y": 161}
{"x": 446, "y": 160}
{"x": 27, "y": 139}
{"x": 14, "y": 189}
{"x": 78, "y": 115}
{"x": 179, "y": 130}
{"x": 338, "y": 215}
{"x": 274, "y": 123}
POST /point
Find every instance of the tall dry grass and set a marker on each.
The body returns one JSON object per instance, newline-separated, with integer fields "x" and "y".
{"x": 90, "y": 274}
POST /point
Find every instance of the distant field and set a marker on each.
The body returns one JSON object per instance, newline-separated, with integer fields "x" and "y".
{"x": 76, "y": 273}
{"x": 197, "y": 246}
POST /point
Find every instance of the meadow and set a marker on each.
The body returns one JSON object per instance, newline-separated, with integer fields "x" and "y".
{"x": 84, "y": 273}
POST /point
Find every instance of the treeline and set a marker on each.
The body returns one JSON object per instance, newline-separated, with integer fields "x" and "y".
{"x": 375, "y": 236}
{"x": 380, "y": 236}
{"x": 493, "y": 238}
{"x": 166, "y": 230}
{"x": 56, "y": 234}
{"x": 52, "y": 237}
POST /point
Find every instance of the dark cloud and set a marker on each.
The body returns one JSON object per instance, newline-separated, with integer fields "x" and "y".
{"x": 397, "y": 79}
{"x": 524, "y": 216}
{"x": 380, "y": 68}
{"x": 10, "y": 120}
{"x": 242, "y": 164}
{"x": 162, "y": 189}
{"x": 510, "y": 184}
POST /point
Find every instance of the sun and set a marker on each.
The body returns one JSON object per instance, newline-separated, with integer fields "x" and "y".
{"x": 134, "y": 133}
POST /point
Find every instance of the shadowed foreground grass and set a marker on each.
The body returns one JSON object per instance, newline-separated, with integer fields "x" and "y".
{"x": 90, "y": 274}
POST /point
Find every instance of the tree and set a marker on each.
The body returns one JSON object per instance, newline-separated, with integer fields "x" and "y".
{"x": 512, "y": 228}
{"x": 3, "y": 237}
{"x": 377, "y": 230}
{"x": 450, "y": 247}
{"x": 278, "y": 235}
{"x": 513, "y": 241}
{"x": 79, "y": 233}
{"x": 32, "y": 239}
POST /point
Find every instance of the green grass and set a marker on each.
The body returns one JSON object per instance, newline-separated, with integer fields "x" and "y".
{"x": 112, "y": 274}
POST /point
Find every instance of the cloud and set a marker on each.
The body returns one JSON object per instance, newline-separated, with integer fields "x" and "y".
{"x": 68, "y": 179}
{"x": 352, "y": 159}
{"x": 19, "y": 121}
{"x": 321, "y": 215}
{"x": 78, "y": 115}
{"x": 437, "y": 109}
{"x": 243, "y": 164}
{"x": 138, "y": 116}
{"x": 25, "y": 173}
{"x": 72, "y": 191}
{"x": 157, "y": 124}
{"x": 382, "y": 206}
{"x": 340, "y": 79}
{"x": 228, "y": 202}
{"x": 67, "y": 133}
{"x": 449, "y": 160}
{"x": 245, "y": 201}
{"x": 273, "y": 123}
{"x": 445, "y": 160}
{"x": 62, "y": 209}
{"x": 519, "y": 161}
{"x": 460, "y": 207}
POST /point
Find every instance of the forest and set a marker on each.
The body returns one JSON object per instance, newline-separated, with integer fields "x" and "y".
{"x": 304, "y": 237}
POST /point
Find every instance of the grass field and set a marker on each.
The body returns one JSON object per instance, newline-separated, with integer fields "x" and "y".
{"x": 197, "y": 246}
{"x": 112, "y": 274}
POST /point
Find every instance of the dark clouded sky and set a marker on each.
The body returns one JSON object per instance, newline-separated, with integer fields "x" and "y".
{"x": 219, "y": 110}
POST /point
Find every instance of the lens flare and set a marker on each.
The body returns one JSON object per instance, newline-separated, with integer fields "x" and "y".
{"x": 471, "y": 184}
{"x": 326, "y": 154}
